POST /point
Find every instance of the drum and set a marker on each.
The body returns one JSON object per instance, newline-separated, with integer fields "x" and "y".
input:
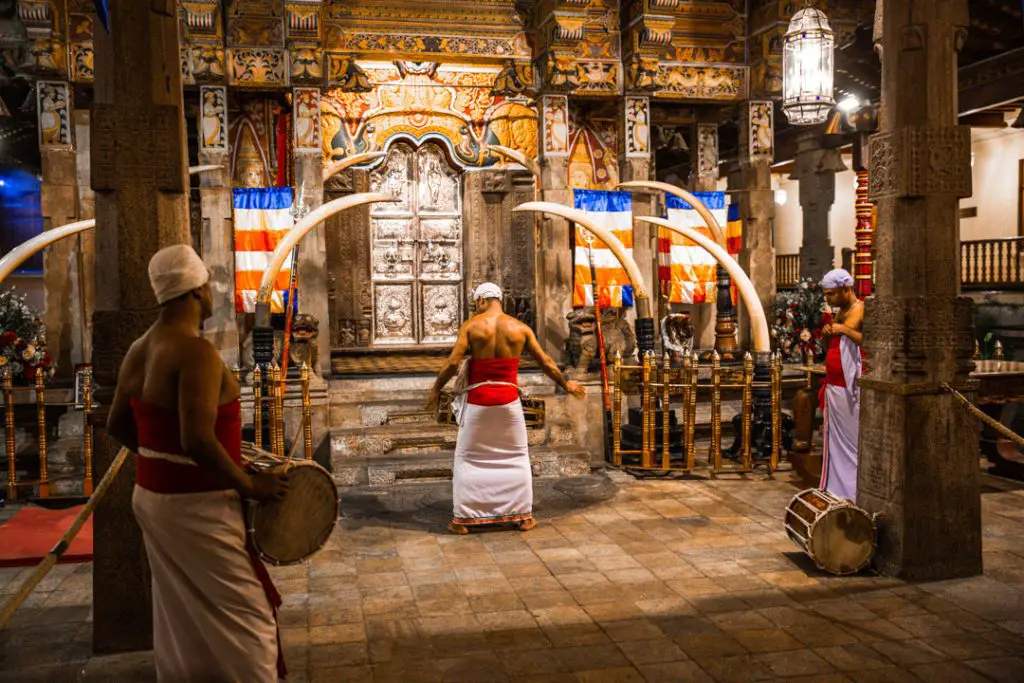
{"x": 836, "y": 534}
{"x": 291, "y": 530}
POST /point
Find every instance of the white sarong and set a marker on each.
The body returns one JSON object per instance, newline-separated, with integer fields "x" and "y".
{"x": 212, "y": 620}
{"x": 841, "y": 429}
{"x": 491, "y": 480}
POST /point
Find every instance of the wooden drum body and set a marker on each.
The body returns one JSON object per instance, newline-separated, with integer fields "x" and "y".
{"x": 836, "y": 534}
{"x": 291, "y": 530}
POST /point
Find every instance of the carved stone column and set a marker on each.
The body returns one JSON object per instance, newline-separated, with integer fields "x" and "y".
{"x": 59, "y": 205}
{"x": 83, "y": 266}
{"x": 918, "y": 447}
{"x": 816, "y": 168}
{"x": 218, "y": 245}
{"x": 635, "y": 163}
{"x": 704, "y": 178}
{"x": 139, "y": 173}
{"x": 554, "y": 259}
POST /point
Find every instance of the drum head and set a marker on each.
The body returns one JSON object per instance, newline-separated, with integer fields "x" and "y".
{"x": 843, "y": 540}
{"x": 290, "y": 530}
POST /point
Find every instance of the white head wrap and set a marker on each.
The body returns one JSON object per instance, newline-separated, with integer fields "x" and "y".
{"x": 175, "y": 270}
{"x": 487, "y": 290}
{"x": 834, "y": 279}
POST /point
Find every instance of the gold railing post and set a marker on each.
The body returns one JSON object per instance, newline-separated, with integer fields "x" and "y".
{"x": 307, "y": 412}
{"x": 617, "y": 410}
{"x": 44, "y": 482}
{"x": 279, "y": 411}
{"x": 12, "y": 472}
{"x": 748, "y": 393}
{"x": 690, "y": 369}
{"x": 257, "y": 407}
{"x": 716, "y": 413}
{"x": 86, "y": 413}
{"x": 237, "y": 372}
{"x": 647, "y": 440}
{"x": 666, "y": 440}
{"x": 776, "y": 411}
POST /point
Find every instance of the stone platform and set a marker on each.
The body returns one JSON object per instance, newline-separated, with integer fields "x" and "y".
{"x": 624, "y": 580}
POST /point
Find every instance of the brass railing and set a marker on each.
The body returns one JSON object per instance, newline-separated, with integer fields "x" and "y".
{"x": 655, "y": 385}
{"x": 42, "y": 484}
{"x": 787, "y": 270}
{"x": 268, "y": 389}
{"x": 992, "y": 264}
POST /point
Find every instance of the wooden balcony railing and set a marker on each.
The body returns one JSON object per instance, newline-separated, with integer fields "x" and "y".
{"x": 992, "y": 264}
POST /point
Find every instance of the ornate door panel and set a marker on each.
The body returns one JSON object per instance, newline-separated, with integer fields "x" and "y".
{"x": 417, "y": 262}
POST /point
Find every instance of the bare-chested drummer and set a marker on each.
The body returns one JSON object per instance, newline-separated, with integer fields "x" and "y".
{"x": 491, "y": 480}
{"x": 177, "y": 406}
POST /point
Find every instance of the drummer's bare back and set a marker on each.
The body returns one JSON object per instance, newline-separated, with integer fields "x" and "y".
{"x": 152, "y": 367}
{"x": 491, "y": 335}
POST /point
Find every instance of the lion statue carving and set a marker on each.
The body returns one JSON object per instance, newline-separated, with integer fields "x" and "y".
{"x": 677, "y": 336}
{"x": 618, "y": 336}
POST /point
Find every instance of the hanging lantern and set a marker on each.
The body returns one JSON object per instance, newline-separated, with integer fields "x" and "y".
{"x": 807, "y": 63}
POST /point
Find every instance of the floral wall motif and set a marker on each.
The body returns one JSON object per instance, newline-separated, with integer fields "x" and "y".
{"x": 637, "y": 114}
{"x": 53, "y": 100}
{"x": 307, "y": 119}
{"x": 258, "y": 67}
{"x": 696, "y": 81}
{"x": 556, "y": 125}
{"x": 214, "y": 117}
{"x": 593, "y": 159}
{"x": 421, "y": 101}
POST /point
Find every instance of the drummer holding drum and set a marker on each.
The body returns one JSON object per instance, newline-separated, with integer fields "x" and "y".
{"x": 177, "y": 406}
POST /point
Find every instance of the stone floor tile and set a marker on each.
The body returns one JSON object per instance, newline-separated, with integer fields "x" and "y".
{"x": 614, "y": 675}
{"x": 666, "y": 607}
{"x": 576, "y": 635}
{"x": 349, "y": 654}
{"x": 505, "y": 621}
{"x": 853, "y": 657}
{"x": 766, "y": 640}
{"x": 1010, "y": 643}
{"x": 886, "y": 675}
{"x": 633, "y": 629}
{"x": 705, "y": 647}
{"x": 907, "y": 653}
{"x": 746, "y": 620}
{"x": 531, "y": 662}
{"x": 794, "y": 663}
{"x": 495, "y": 602}
{"x": 547, "y": 599}
{"x": 341, "y": 674}
{"x": 926, "y": 626}
{"x": 515, "y": 640}
{"x": 947, "y": 672}
{"x": 613, "y": 611}
{"x": 546, "y": 678}
{"x": 736, "y": 669}
{"x": 717, "y": 603}
{"x": 674, "y": 672}
{"x": 406, "y": 672}
{"x": 873, "y": 630}
{"x": 822, "y": 635}
{"x": 1001, "y": 669}
{"x": 589, "y": 657}
{"x": 695, "y": 586}
{"x": 652, "y": 651}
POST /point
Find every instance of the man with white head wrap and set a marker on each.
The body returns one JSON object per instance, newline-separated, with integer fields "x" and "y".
{"x": 841, "y": 395}
{"x": 491, "y": 478}
{"x": 177, "y": 406}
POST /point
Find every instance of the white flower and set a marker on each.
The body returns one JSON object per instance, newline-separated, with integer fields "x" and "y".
{"x": 29, "y": 353}
{"x": 805, "y": 336}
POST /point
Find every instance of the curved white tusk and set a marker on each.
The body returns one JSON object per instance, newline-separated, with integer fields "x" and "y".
{"x": 687, "y": 197}
{"x": 194, "y": 170}
{"x": 308, "y": 222}
{"x": 515, "y": 155}
{"x": 758, "y": 323}
{"x": 613, "y": 243}
{"x": 23, "y": 251}
{"x": 336, "y": 167}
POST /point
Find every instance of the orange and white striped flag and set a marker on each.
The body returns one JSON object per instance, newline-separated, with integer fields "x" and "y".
{"x": 263, "y": 215}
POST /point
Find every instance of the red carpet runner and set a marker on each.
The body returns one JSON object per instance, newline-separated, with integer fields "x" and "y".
{"x": 27, "y": 536}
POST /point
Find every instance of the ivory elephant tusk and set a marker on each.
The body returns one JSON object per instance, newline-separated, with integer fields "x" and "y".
{"x": 336, "y": 167}
{"x": 687, "y": 197}
{"x": 299, "y": 230}
{"x": 758, "y": 323}
{"x": 643, "y": 306}
{"x": 530, "y": 164}
{"x": 23, "y": 251}
{"x": 195, "y": 170}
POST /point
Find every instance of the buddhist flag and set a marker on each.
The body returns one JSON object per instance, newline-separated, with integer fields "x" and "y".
{"x": 614, "y": 212}
{"x": 734, "y": 230}
{"x": 262, "y": 218}
{"x": 687, "y": 272}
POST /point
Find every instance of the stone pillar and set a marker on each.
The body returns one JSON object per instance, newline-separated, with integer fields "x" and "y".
{"x": 635, "y": 163}
{"x": 816, "y": 168}
{"x": 750, "y": 185}
{"x": 59, "y": 206}
{"x": 83, "y": 267}
{"x": 554, "y": 259}
{"x": 218, "y": 235}
{"x": 918, "y": 446}
{"x": 139, "y": 173}
{"x": 704, "y": 178}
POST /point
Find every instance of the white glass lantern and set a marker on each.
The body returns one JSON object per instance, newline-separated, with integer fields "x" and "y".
{"x": 807, "y": 63}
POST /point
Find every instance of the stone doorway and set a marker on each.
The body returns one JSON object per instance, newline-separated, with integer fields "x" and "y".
{"x": 417, "y": 249}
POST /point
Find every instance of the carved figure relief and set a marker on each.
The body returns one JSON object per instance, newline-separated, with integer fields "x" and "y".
{"x": 556, "y": 125}
{"x": 417, "y": 250}
{"x": 707, "y": 150}
{"x": 214, "y": 100}
{"x": 761, "y": 129}
{"x": 53, "y": 100}
{"x": 307, "y": 119}
{"x": 593, "y": 158}
{"x": 638, "y": 129}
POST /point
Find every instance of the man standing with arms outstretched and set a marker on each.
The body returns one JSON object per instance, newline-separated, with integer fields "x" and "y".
{"x": 841, "y": 399}
{"x": 491, "y": 478}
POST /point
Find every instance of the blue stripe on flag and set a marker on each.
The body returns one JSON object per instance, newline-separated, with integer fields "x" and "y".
{"x": 264, "y": 198}
{"x": 627, "y": 295}
{"x": 734, "y": 213}
{"x": 103, "y": 13}
{"x": 295, "y": 303}
{"x": 712, "y": 200}
{"x": 602, "y": 200}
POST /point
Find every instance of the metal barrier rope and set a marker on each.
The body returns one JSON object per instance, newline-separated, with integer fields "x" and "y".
{"x": 48, "y": 563}
{"x": 991, "y": 422}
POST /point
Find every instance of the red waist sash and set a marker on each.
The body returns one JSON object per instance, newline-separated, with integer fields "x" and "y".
{"x": 493, "y": 370}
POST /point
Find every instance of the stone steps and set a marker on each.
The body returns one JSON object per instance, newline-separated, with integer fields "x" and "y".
{"x": 437, "y": 465}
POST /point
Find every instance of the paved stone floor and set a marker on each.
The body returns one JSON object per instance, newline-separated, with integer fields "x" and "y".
{"x": 624, "y": 581}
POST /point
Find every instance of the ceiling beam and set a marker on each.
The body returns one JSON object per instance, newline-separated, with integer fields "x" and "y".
{"x": 992, "y": 82}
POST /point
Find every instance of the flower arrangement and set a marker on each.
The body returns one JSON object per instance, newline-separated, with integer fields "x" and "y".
{"x": 799, "y": 316}
{"x": 22, "y": 339}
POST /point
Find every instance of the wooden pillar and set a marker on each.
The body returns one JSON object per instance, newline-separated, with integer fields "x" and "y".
{"x": 139, "y": 173}
{"x": 918, "y": 447}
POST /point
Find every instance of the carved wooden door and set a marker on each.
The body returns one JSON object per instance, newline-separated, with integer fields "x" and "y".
{"x": 417, "y": 258}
